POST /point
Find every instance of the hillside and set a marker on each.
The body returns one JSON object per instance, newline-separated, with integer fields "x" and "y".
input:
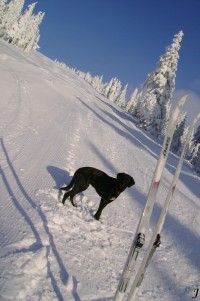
{"x": 51, "y": 123}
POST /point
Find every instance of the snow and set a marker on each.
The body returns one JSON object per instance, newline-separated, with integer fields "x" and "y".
{"x": 51, "y": 123}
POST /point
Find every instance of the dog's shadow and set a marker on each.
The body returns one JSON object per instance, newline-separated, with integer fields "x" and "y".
{"x": 60, "y": 176}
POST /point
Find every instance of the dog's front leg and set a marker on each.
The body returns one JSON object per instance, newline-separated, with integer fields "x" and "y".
{"x": 102, "y": 205}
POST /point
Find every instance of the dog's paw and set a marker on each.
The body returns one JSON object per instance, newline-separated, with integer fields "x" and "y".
{"x": 73, "y": 204}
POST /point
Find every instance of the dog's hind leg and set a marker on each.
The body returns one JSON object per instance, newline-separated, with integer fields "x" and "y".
{"x": 75, "y": 190}
{"x": 78, "y": 187}
{"x": 70, "y": 195}
{"x": 66, "y": 195}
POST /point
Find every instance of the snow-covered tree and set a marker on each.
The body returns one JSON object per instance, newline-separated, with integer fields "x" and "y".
{"x": 11, "y": 13}
{"x": 195, "y": 160}
{"x": 112, "y": 89}
{"x": 158, "y": 90}
{"x": 88, "y": 77}
{"x": 147, "y": 110}
{"x": 27, "y": 36}
{"x": 2, "y": 9}
{"x": 97, "y": 83}
{"x": 121, "y": 98}
{"x": 195, "y": 151}
{"x": 179, "y": 135}
{"x": 63, "y": 65}
{"x": 13, "y": 32}
{"x": 81, "y": 74}
{"x": 20, "y": 30}
{"x": 34, "y": 35}
{"x": 132, "y": 103}
{"x": 108, "y": 87}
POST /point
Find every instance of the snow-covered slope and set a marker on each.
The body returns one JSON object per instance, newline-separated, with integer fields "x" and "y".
{"x": 51, "y": 123}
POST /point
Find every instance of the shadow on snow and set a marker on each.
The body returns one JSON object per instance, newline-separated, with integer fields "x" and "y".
{"x": 63, "y": 272}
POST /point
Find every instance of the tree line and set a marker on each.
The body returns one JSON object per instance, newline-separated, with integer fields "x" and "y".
{"x": 150, "y": 104}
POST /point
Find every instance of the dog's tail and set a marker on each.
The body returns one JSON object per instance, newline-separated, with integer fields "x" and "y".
{"x": 68, "y": 187}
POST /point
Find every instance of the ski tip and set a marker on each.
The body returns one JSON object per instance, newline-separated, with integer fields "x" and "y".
{"x": 197, "y": 116}
{"x": 195, "y": 119}
{"x": 182, "y": 100}
{"x": 185, "y": 95}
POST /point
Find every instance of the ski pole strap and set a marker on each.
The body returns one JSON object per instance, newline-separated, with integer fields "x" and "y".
{"x": 140, "y": 240}
{"x": 157, "y": 241}
{"x": 154, "y": 247}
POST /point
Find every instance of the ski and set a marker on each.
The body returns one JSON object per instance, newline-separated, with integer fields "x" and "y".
{"x": 155, "y": 239}
{"x": 139, "y": 238}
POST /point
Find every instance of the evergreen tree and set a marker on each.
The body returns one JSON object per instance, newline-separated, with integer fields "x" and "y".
{"x": 34, "y": 35}
{"x": 81, "y": 74}
{"x": 2, "y": 9}
{"x": 131, "y": 106}
{"x": 179, "y": 135}
{"x": 28, "y": 29}
{"x": 197, "y": 161}
{"x": 146, "y": 112}
{"x": 196, "y": 137}
{"x": 97, "y": 83}
{"x": 112, "y": 89}
{"x": 20, "y": 30}
{"x": 88, "y": 77}
{"x": 121, "y": 98}
{"x": 158, "y": 90}
{"x": 11, "y": 14}
{"x": 195, "y": 155}
{"x": 107, "y": 87}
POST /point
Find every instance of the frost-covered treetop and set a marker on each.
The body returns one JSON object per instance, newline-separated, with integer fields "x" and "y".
{"x": 19, "y": 29}
{"x": 158, "y": 89}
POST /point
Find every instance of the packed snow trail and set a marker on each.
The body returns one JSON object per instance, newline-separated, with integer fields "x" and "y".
{"x": 51, "y": 123}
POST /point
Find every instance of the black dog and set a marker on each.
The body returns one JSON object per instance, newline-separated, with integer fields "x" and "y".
{"x": 108, "y": 188}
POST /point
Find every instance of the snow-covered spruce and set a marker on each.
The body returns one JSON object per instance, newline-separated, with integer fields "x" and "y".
{"x": 157, "y": 90}
{"x": 20, "y": 29}
{"x": 195, "y": 151}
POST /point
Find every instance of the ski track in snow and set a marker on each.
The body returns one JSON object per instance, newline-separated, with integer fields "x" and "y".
{"x": 51, "y": 123}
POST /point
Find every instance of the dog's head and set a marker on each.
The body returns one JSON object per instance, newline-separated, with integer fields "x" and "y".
{"x": 124, "y": 181}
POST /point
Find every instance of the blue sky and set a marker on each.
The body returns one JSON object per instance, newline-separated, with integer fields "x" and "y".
{"x": 122, "y": 38}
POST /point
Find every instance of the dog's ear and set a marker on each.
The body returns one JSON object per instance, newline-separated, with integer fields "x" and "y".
{"x": 131, "y": 182}
{"x": 120, "y": 182}
{"x": 120, "y": 177}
